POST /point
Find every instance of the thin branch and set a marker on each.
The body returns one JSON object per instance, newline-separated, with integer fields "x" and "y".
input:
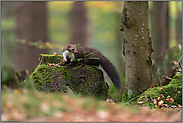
{"x": 132, "y": 99}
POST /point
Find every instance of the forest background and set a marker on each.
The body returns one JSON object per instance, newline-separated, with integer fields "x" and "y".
{"x": 30, "y": 28}
{"x": 97, "y": 25}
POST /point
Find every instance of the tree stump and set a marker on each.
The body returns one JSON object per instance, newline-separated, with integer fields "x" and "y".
{"x": 80, "y": 79}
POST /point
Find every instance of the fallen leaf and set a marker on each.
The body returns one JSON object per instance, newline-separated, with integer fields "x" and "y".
{"x": 175, "y": 62}
{"x": 161, "y": 88}
{"x": 140, "y": 102}
{"x": 168, "y": 96}
{"x": 179, "y": 106}
{"x": 171, "y": 100}
{"x": 55, "y": 54}
{"x": 154, "y": 101}
{"x": 160, "y": 102}
{"x": 161, "y": 96}
{"x": 166, "y": 99}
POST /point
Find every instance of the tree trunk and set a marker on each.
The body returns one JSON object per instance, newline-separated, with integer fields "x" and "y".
{"x": 159, "y": 26}
{"x": 137, "y": 47}
{"x": 160, "y": 36}
{"x": 8, "y": 8}
{"x": 179, "y": 25}
{"x": 78, "y": 21}
{"x": 162, "y": 27}
{"x": 31, "y": 26}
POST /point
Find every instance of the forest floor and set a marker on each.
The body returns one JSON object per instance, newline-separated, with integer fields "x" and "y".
{"x": 33, "y": 106}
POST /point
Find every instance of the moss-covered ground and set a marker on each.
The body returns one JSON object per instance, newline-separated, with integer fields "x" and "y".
{"x": 170, "y": 94}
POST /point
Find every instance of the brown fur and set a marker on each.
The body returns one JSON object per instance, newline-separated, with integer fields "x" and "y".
{"x": 81, "y": 52}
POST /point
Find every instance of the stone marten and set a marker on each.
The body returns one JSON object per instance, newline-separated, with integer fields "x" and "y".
{"x": 91, "y": 56}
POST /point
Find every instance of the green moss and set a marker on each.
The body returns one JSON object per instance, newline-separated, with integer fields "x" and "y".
{"x": 173, "y": 89}
{"x": 152, "y": 92}
{"x": 46, "y": 58}
{"x": 43, "y": 74}
{"x": 91, "y": 84}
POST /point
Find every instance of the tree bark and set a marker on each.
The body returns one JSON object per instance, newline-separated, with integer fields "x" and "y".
{"x": 137, "y": 47}
{"x": 31, "y": 26}
{"x": 159, "y": 26}
{"x": 160, "y": 36}
{"x": 179, "y": 25}
{"x": 162, "y": 27}
{"x": 79, "y": 21}
{"x": 8, "y": 8}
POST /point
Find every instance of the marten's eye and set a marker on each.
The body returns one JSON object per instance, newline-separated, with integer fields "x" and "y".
{"x": 72, "y": 49}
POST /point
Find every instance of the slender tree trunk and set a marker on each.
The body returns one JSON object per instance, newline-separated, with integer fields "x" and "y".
{"x": 159, "y": 26}
{"x": 179, "y": 25}
{"x": 8, "y": 7}
{"x": 162, "y": 27}
{"x": 160, "y": 35}
{"x": 79, "y": 21}
{"x": 153, "y": 28}
{"x": 137, "y": 47}
{"x": 31, "y": 26}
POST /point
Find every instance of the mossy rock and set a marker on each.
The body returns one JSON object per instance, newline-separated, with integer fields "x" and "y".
{"x": 173, "y": 89}
{"x": 85, "y": 80}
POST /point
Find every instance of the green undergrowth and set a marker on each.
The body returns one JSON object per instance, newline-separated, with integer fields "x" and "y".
{"x": 173, "y": 89}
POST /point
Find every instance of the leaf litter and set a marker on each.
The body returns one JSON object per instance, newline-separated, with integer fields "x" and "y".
{"x": 28, "y": 106}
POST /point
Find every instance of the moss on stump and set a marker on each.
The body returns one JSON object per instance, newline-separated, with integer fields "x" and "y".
{"x": 84, "y": 80}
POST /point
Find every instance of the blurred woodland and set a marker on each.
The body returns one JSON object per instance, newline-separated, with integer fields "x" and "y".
{"x": 29, "y": 28}
{"x": 94, "y": 24}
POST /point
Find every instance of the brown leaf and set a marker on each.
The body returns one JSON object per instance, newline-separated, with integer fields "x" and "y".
{"x": 140, "y": 102}
{"x": 171, "y": 100}
{"x": 179, "y": 106}
{"x": 168, "y": 96}
{"x": 160, "y": 102}
{"x": 161, "y": 88}
{"x": 154, "y": 101}
{"x": 161, "y": 96}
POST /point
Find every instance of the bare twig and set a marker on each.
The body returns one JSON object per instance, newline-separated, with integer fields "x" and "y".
{"x": 167, "y": 78}
{"x": 132, "y": 99}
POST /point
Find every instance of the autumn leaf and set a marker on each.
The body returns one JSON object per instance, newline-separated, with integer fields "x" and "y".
{"x": 161, "y": 88}
{"x": 47, "y": 43}
{"x": 55, "y": 54}
{"x": 160, "y": 102}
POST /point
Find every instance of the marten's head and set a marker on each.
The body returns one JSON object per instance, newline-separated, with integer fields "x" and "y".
{"x": 72, "y": 48}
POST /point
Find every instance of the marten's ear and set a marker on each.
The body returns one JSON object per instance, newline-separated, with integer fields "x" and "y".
{"x": 68, "y": 46}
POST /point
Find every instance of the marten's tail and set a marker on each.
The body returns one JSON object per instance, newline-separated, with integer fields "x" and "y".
{"x": 111, "y": 71}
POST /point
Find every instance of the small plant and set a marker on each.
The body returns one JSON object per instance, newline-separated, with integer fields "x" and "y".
{"x": 85, "y": 57}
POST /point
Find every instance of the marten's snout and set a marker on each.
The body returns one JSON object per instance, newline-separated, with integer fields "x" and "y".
{"x": 75, "y": 51}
